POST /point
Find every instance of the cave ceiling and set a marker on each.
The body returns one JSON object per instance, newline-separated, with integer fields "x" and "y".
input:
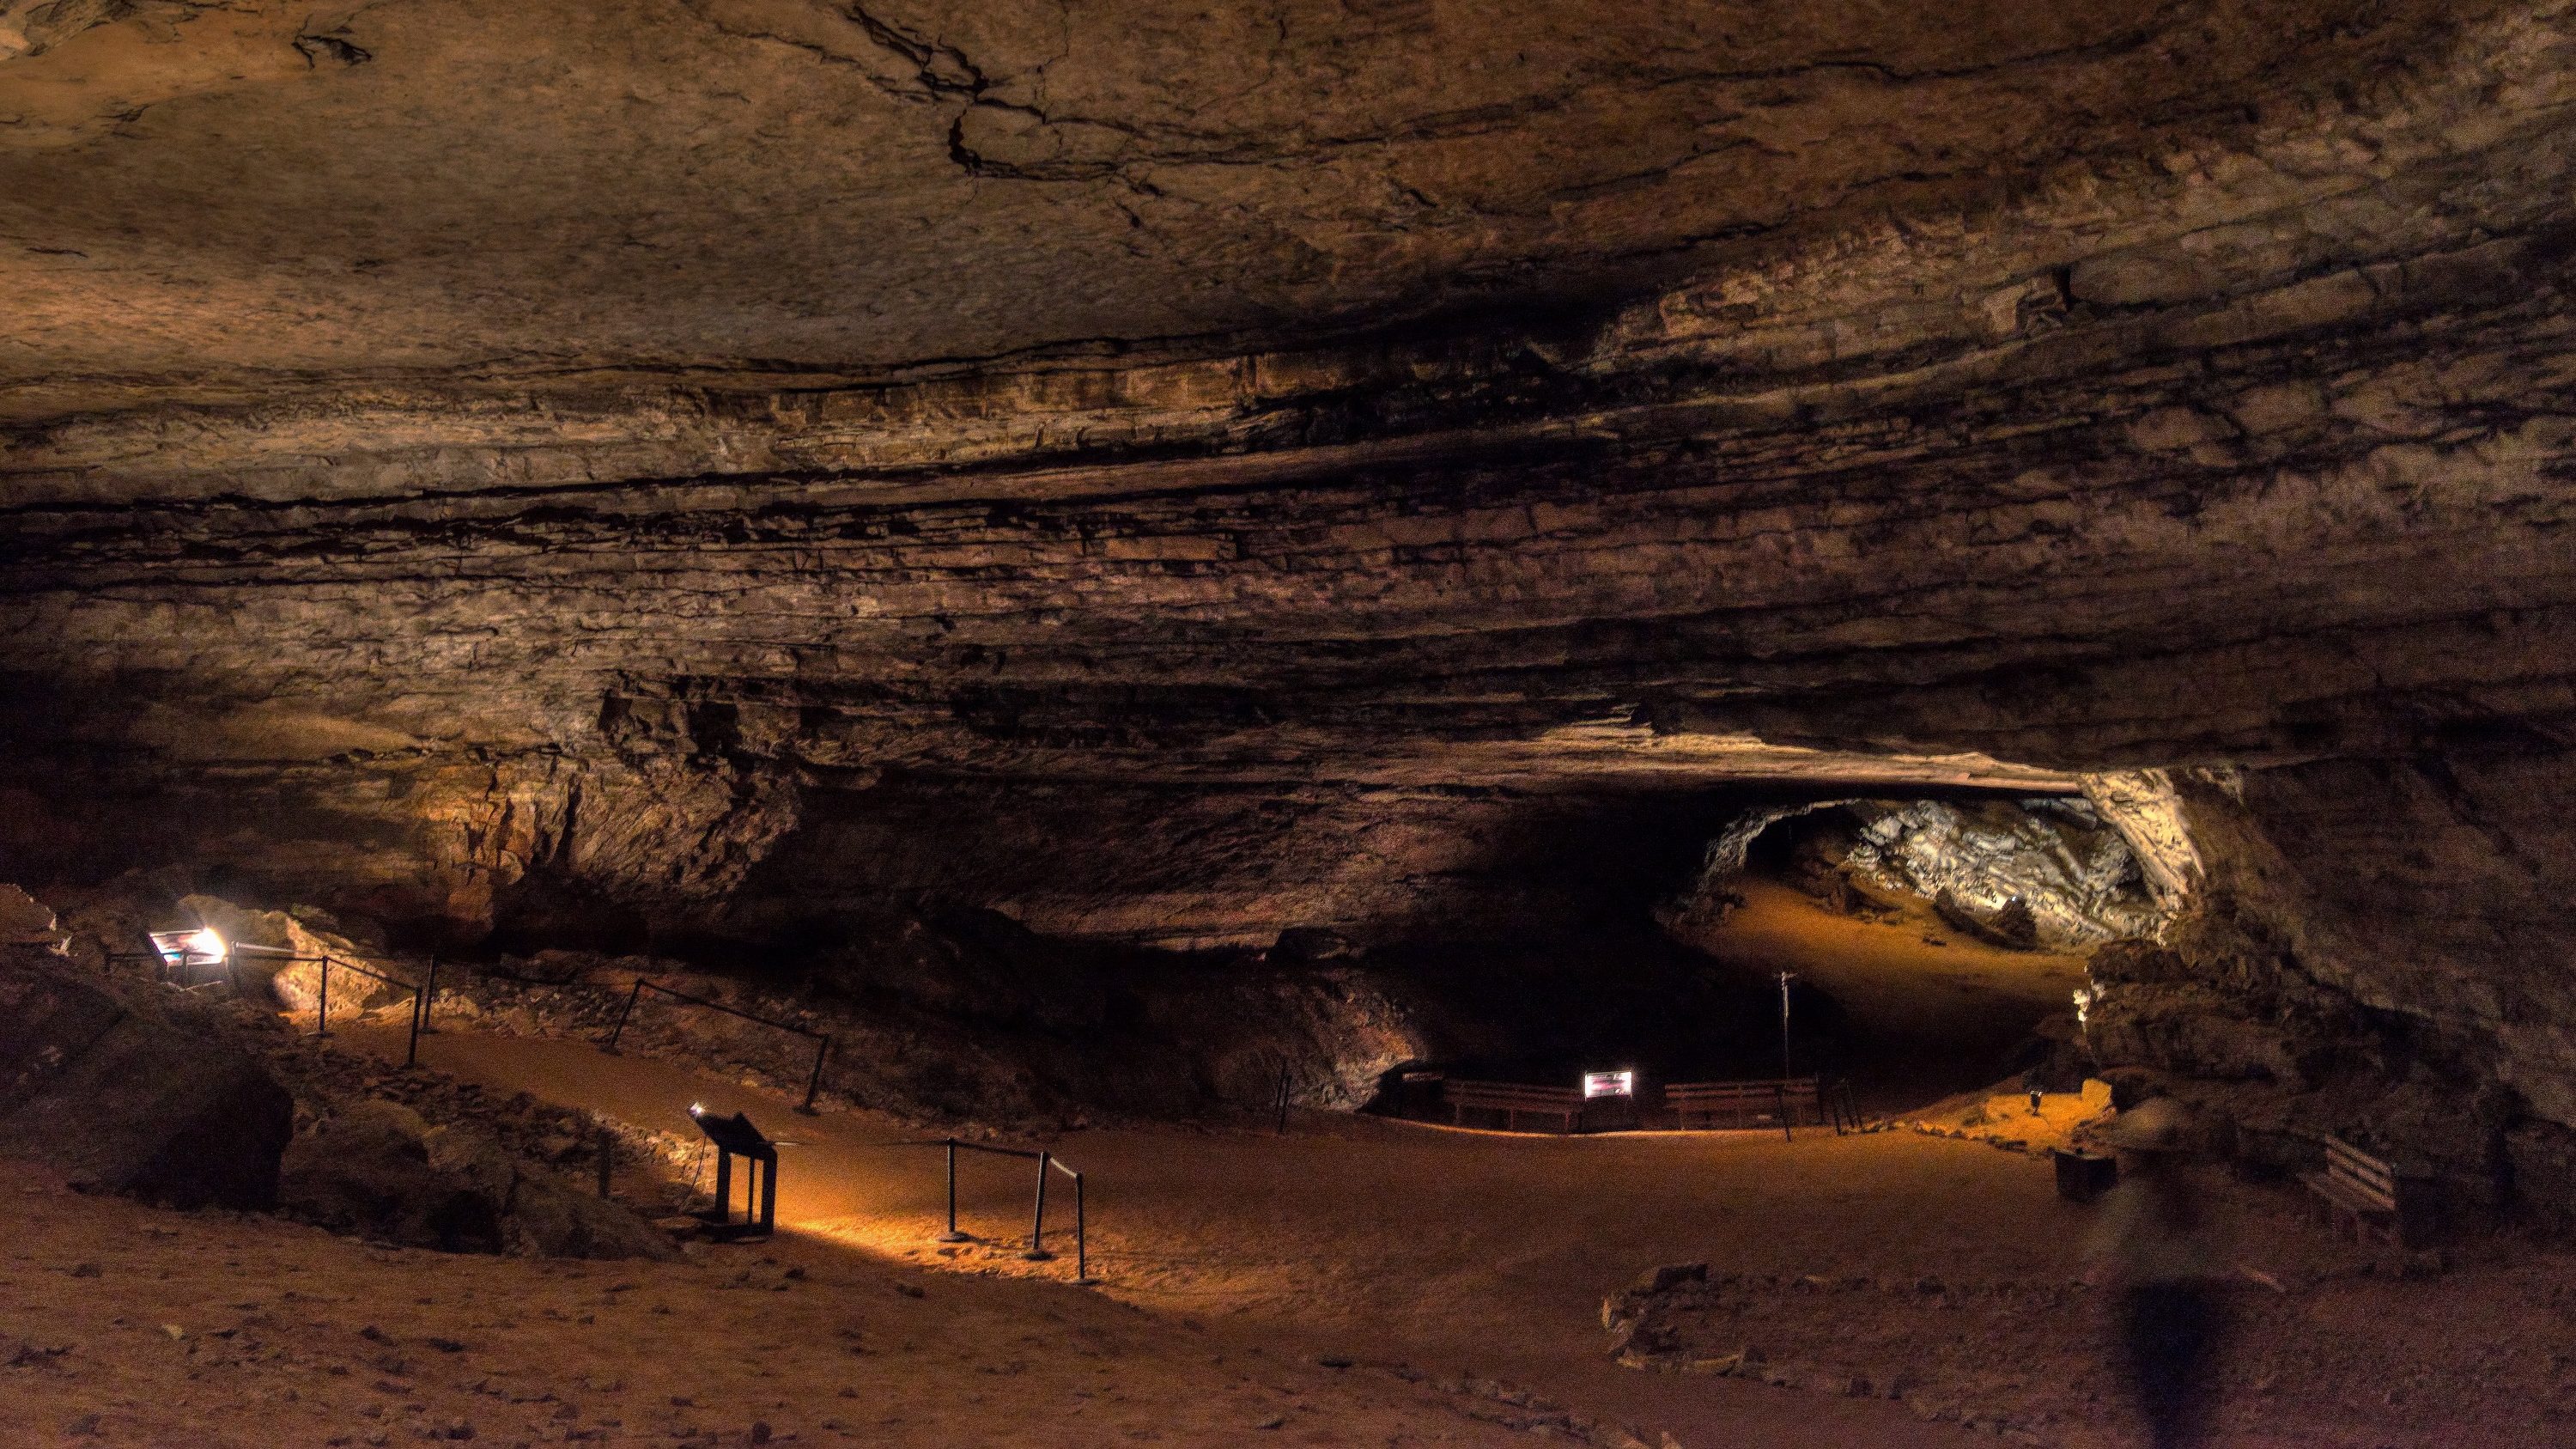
{"x": 418, "y": 415}
{"x": 261, "y": 196}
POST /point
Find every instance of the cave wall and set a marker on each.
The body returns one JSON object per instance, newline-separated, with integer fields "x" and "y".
{"x": 2376, "y": 948}
{"x": 1200, "y": 865}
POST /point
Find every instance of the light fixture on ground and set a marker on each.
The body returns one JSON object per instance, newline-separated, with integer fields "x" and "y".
{"x": 192, "y": 958}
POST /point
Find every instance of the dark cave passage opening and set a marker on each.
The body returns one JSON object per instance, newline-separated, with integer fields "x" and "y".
{"x": 1158, "y": 949}
{"x": 1173, "y": 948}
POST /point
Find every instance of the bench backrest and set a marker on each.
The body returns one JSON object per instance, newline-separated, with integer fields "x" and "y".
{"x": 1683, "y": 1093}
{"x": 2369, "y": 1177}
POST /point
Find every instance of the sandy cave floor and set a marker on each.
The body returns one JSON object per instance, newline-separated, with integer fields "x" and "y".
{"x": 1355, "y": 1281}
{"x": 123, "y": 1325}
{"x": 1907, "y": 969}
{"x": 1459, "y": 1274}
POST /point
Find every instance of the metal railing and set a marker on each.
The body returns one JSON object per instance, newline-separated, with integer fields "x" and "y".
{"x": 420, "y": 991}
{"x": 1047, "y": 1163}
{"x": 1280, "y": 1097}
{"x": 822, "y": 1040}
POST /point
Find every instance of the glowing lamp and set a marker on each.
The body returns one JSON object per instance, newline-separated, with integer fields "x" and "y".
{"x": 1609, "y": 1084}
{"x": 202, "y": 946}
{"x": 182, "y": 950}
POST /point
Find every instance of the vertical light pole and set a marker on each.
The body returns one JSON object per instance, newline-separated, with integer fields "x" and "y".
{"x": 1785, "y": 978}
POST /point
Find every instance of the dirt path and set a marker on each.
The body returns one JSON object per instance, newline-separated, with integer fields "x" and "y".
{"x": 1457, "y": 1253}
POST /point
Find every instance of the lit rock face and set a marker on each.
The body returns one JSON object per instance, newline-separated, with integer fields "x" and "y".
{"x": 2043, "y": 872}
{"x": 473, "y": 461}
{"x": 2038, "y": 873}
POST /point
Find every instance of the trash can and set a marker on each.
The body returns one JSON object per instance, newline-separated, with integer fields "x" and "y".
{"x": 2084, "y": 1176}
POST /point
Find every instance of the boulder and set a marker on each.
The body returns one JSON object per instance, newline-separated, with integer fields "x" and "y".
{"x": 366, "y": 1170}
{"x": 26, "y": 921}
{"x": 377, "y": 1170}
{"x": 123, "y": 1100}
{"x": 540, "y": 1216}
{"x": 549, "y": 1219}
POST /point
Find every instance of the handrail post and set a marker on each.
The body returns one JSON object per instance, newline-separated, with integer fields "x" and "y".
{"x": 1081, "y": 1236}
{"x": 429, "y": 998}
{"x": 411, "y": 1047}
{"x": 814, "y": 1081}
{"x": 322, "y": 1018}
{"x": 1037, "y": 1252}
{"x": 624, "y": 1012}
{"x": 952, "y": 1235}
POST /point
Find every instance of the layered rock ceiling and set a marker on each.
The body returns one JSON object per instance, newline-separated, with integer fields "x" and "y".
{"x": 1192, "y": 473}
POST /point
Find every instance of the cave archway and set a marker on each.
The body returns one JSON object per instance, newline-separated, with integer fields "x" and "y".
{"x": 1936, "y": 943}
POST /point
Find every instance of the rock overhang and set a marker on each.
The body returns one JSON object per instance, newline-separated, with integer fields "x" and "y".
{"x": 550, "y": 508}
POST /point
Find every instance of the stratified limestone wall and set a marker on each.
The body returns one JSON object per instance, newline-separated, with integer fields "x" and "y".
{"x": 2381, "y": 948}
{"x": 2203, "y": 395}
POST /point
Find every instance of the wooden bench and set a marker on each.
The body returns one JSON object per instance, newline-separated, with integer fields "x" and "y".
{"x": 1743, "y": 1104}
{"x": 2362, "y": 1196}
{"x": 1512, "y": 1099}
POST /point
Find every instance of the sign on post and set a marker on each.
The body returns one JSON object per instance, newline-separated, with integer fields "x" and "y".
{"x": 1609, "y": 1084}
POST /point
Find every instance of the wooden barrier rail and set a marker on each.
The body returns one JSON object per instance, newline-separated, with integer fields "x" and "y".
{"x": 1513, "y": 1098}
{"x": 1744, "y": 1104}
{"x": 1758, "y": 1102}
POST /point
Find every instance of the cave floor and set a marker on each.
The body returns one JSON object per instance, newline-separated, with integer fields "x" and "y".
{"x": 1465, "y": 1256}
{"x": 1460, "y": 1255}
{"x": 125, "y": 1325}
{"x": 1931, "y": 1010}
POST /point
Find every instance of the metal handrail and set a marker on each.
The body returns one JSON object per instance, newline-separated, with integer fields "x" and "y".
{"x": 1037, "y": 1252}
{"x": 822, "y": 1040}
{"x": 322, "y": 1004}
{"x": 286, "y": 956}
{"x": 1280, "y": 1097}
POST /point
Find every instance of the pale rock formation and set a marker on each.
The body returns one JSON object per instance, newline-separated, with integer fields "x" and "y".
{"x": 2034, "y": 873}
